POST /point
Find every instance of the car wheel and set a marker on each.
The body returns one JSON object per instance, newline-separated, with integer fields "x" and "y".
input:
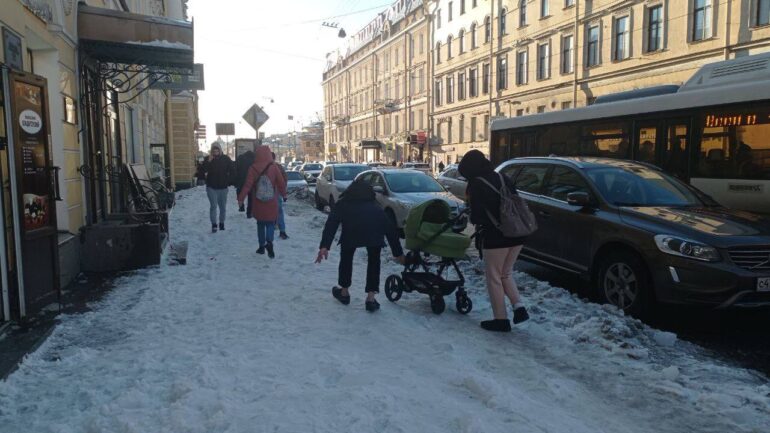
{"x": 623, "y": 281}
{"x": 318, "y": 204}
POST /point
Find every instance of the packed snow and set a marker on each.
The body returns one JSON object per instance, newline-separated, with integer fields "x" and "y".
{"x": 235, "y": 342}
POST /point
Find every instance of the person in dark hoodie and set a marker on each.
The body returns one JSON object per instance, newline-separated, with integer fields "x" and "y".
{"x": 219, "y": 171}
{"x": 242, "y": 165}
{"x": 364, "y": 224}
{"x": 499, "y": 252}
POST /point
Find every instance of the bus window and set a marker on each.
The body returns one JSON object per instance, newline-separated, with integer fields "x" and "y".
{"x": 673, "y": 159}
{"x": 609, "y": 140}
{"x": 735, "y": 146}
{"x": 560, "y": 140}
{"x": 647, "y": 139}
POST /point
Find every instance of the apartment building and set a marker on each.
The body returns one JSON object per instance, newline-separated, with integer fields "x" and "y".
{"x": 520, "y": 57}
{"x": 376, "y": 95}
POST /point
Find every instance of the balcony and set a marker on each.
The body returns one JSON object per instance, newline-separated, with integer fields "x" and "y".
{"x": 384, "y": 106}
{"x": 340, "y": 120}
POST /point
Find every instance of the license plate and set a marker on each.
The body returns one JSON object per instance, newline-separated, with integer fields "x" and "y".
{"x": 763, "y": 284}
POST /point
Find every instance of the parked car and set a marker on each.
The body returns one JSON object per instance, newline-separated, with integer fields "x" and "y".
{"x": 297, "y": 184}
{"x": 333, "y": 181}
{"x": 377, "y": 164}
{"x": 311, "y": 171}
{"x": 452, "y": 180}
{"x": 640, "y": 235}
{"x": 398, "y": 191}
{"x": 420, "y": 166}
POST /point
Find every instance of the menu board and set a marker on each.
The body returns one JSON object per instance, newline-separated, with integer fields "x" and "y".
{"x": 32, "y": 145}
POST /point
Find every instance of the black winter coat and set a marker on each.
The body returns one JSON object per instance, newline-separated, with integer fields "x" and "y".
{"x": 364, "y": 224}
{"x": 242, "y": 164}
{"x": 220, "y": 172}
{"x": 482, "y": 199}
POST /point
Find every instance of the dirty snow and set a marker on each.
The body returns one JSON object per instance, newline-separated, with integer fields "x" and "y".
{"x": 234, "y": 342}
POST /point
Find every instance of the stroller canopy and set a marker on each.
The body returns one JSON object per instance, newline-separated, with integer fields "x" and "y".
{"x": 428, "y": 228}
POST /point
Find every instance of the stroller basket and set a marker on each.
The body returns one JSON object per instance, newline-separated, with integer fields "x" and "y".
{"x": 426, "y": 282}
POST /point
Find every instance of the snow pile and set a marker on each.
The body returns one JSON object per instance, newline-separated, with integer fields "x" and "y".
{"x": 234, "y": 342}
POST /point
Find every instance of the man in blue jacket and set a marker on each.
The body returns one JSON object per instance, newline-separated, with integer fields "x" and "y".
{"x": 364, "y": 224}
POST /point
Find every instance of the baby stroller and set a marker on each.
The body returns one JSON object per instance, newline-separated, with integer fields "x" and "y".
{"x": 428, "y": 233}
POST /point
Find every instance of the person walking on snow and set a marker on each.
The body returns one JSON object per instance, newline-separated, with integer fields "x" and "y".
{"x": 219, "y": 172}
{"x": 499, "y": 253}
{"x": 281, "y": 220}
{"x": 364, "y": 224}
{"x": 267, "y": 186}
{"x": 242, "y": 165}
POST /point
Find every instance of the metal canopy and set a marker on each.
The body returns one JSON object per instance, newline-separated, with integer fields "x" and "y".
{"x": 124, "y": 38}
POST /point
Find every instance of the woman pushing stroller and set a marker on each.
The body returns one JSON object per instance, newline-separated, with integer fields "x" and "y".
{"x": 364, "y": 224}
{"x": 485, "y": 189}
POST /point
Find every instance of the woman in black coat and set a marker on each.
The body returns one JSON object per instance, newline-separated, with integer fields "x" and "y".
{"x": 499, "y": 252}
{"x": 364, "y": 224}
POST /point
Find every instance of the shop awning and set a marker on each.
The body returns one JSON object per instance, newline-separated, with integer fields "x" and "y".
{"x": 371, "y": 144}
{"x": 121, "y": 37}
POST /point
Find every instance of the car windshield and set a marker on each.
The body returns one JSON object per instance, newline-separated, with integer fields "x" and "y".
{"x": 412, "y": 182}
{"x": 313, "y": 167}
{"x": 348, "y": 172}
{"x": 294, "y": 175}
{"x": 641, "y": 186}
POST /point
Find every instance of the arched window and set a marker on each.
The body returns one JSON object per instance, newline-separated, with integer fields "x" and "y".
{"x": 503, "y": 19}
{"x": 473, "y": 36}
{"x": 461, "y": 41}
{"x": 487, "y": 29}
{"x": 438, "y": 52}
{"x": 449, "y": 47}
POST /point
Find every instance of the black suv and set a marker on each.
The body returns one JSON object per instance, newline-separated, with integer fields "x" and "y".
{"x": 640, "y": 235}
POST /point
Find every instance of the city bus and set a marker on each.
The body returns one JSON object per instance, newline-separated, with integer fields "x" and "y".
{"x": 713, "y": 131}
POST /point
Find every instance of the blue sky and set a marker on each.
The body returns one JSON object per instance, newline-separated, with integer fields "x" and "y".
{"x": 258, "y": 49}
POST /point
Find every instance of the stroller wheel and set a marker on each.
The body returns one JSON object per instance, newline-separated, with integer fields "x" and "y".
{"x": 394, "y": 287}
{"x": 437, "y": 304}
{"x": 464, "y": 304}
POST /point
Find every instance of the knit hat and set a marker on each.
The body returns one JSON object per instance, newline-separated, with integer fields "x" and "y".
{"x": 216, "y": 145}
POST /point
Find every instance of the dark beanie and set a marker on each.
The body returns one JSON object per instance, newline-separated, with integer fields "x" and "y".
{"x": 358, "y": 191}
{"x": 474, "y": 164}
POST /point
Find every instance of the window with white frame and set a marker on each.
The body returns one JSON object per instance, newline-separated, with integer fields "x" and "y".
{"x": 763, "y": 12}
{"x": 487, "y": 75}
{"x": 655, "y": 28}
{"x": 544, "y": 8}
{"x": 462, "y": 129}
{"x": 461, "y": 41}
{"x": 438, "y": 52}
{"x": 701, "y": 20}
{"x": 569, "y": 3}
{"x": 462, "y": 7}
{"x": 461, "y": 86}
{"x": 592, "y": 46}
{"x": 473, "y": 36}
{"x": 449, "y": 47}
{"x": 421, "y": 80}
{"x": 522, "y": 63}
{"x": 503, "y": 19}
{"x": 567, "y": 54}
{"x": 522, "y": 13}
{"x": 474, "y": 3}
{"x": 450, "y": 88}
{"x": 622, "y": 39}
{"x": 544, "y": 61}
{"x": 449, "y": 13}
{"x": 438, "y": 19}
{"x": 437, "y": 93}
{"x": 487, "y": 30}
{"x": 422, "y": 44}
{"x": 502, "y": 72}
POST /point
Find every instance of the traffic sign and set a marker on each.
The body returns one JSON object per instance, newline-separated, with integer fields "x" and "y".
{"x": 255, "y": 117}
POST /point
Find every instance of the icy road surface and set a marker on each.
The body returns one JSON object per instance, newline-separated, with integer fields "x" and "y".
{"x": 235, "y": 342}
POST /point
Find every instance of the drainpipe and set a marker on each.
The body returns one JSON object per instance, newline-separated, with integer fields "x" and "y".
{"x": 729, "y": 28}
{"x": 431, "y": 79}
{"x": 575, "y": 54}
{"x": 491, "y": 65}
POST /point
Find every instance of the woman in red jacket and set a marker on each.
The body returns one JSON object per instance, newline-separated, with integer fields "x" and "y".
{"x": 266, "y": 185}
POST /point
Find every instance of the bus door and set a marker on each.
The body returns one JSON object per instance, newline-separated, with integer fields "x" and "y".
{"x": 664, "y": 144}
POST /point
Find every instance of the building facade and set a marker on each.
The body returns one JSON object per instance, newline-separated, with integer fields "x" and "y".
{"x": 520, "y": 57}
{"x": 376, "y": 95}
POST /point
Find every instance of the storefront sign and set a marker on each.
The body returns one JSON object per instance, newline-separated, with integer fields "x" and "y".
{"x": 30, "y": 122}
{"x": 12, "y": 50}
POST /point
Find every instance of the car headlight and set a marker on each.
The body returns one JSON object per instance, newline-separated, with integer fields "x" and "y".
{"x": 683, "y": 247}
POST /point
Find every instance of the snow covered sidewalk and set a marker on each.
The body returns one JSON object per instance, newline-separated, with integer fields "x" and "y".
{"x": 235, "y": 342}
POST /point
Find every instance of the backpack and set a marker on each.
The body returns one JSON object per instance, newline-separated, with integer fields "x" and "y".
{"x": 265, "y": 191}
{"x": 516, "y": 220}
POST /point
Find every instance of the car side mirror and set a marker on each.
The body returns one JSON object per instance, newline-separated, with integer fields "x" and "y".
{"x": 581, "y": 199}
{"x": 379, "y": 189}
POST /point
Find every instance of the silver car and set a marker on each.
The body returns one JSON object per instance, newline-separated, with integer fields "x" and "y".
{"x": 311, "y": 171}
{"x": 453, "y": 181}
{"x": 297, "y": 184}
{"x": 420, "y": 166}
{"x": 398, "y": 191}
{"x": 333, "y": 181}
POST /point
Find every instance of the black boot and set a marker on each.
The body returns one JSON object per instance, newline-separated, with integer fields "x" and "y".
{"x": 270, "y": 252}
{"x": 221, "y": 226}
{"x": 372, "y": 306}
{"x": 213, "y": 228}
{"x": 261, "y": 250}
{"x": 497, "y": 325}
{"x": 283, "y": 236}
{"x": 520, "y": 315}
{"x": 241, "y": 208}
{"x": 337, "y": 293}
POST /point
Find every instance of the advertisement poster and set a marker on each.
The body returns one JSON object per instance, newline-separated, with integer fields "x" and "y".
{"x": 32, "y": 146}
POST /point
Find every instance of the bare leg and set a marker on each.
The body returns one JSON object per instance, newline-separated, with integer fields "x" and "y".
{"x": 494, "y": 260}
{"x": 509, "y": 285}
